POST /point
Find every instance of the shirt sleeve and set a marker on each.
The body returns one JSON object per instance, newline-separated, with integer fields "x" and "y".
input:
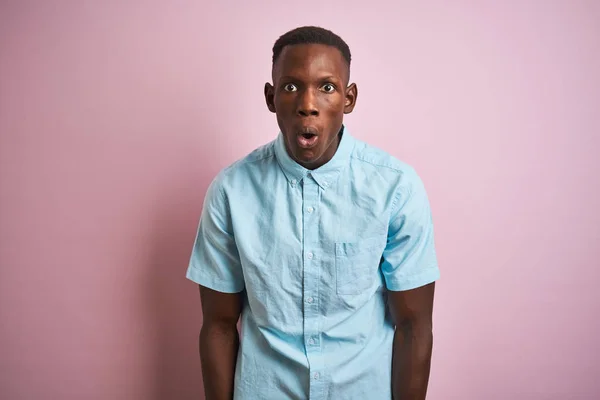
{"x": 409, "y": 259}
{"x": 215, "y": 261}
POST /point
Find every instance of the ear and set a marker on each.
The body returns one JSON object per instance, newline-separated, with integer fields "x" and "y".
{"x": 270, "y": 97}
{"x": 350, "y": 100}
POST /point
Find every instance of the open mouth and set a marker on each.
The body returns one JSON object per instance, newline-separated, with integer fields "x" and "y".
{"x": 307, "y": 139}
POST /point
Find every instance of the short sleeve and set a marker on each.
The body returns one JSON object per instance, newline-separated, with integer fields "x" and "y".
{"x": 215, "y": 261}
{"x": 409, "y": 259}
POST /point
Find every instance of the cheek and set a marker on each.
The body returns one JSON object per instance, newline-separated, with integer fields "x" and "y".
{"x": 284, "y": 105}
{"x": 332, "y": 102}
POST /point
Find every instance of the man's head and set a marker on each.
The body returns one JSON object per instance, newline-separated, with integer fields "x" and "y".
{"x": 310, "y": 92}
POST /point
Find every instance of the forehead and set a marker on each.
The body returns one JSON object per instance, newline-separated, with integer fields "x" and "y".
{"x": 308, "y": 61}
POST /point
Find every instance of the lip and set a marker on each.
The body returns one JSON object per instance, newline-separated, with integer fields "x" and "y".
{"x": 308, "y": 129}
{"x": 307, "y": 143}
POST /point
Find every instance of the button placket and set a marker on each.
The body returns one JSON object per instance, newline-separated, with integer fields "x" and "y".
{"x": 311, "y": 283}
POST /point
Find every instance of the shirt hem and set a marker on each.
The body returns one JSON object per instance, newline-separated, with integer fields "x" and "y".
{"x": 196, "y": 276}
{"x": 413, "y": 282}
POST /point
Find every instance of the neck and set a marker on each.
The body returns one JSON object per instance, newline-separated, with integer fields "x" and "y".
{"x": 329, "y": 152}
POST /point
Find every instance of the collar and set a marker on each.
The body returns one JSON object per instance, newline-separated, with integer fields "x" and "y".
{"x": 326, "y": 174}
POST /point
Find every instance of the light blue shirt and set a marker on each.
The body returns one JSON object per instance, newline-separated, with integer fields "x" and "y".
{"x": 314, "y": 253}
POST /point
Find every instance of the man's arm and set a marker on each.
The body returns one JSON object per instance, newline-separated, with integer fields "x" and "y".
{"x": 219, "y": 342}
{"x": 413, "y": 341}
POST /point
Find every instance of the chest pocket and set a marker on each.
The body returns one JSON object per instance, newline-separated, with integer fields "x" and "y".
{"x": 357, "y": 265}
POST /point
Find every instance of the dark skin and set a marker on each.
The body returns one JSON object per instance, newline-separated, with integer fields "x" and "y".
{"x": 219, "y": 342}
{"x": 310, "y": 95}
{"x": 412, "y": 312}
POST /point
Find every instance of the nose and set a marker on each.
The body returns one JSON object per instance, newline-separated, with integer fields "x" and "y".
{"x": 307, "y": 104}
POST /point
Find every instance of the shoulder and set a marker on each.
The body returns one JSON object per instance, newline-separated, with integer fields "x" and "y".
{"x": 241, "y": 169}
{"x": 402, "y": 174}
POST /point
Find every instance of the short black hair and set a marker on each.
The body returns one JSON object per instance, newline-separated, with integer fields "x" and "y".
{"x": 311, "y": 35}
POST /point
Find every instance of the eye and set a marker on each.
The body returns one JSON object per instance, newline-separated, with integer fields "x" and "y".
{"x": 328, "y": 88}
{"x": 290, "y": 87}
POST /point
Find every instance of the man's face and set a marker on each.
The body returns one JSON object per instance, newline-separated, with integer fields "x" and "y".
{"x": 310, "y": 97}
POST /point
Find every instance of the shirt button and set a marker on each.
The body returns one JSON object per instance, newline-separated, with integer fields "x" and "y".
{"x": 310, "y": 256}
{"x": 311, "y": 341}
{"x": 310, "y": 299}
{"x": 316, "y": 375}
{"x": 310, "y": 209}
{"x": 293, "y": 182}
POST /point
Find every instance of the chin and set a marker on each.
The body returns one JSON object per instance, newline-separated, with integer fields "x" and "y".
{"x": 309, "y": 156}
{"x": 308, "y": 162}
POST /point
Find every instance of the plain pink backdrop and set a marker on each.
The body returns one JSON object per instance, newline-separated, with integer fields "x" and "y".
{"x": 115, "y": 116}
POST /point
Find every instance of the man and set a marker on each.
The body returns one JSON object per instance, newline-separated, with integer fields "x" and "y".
{"x": 322, "y": 244}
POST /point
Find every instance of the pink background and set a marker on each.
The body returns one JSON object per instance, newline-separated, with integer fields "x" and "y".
{"x": 115, "y": 116}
